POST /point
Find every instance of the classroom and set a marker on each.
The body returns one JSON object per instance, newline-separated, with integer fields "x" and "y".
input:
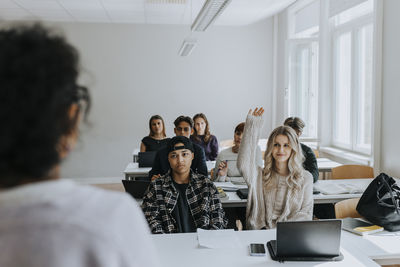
{"x": 331, "y": 63}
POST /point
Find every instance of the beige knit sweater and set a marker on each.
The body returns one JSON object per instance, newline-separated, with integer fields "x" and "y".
{"x": 297, "y": 204}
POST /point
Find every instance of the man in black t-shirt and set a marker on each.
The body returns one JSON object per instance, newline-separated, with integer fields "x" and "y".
{"x": 182, "y": 201}
{"x": 183, "y": 127}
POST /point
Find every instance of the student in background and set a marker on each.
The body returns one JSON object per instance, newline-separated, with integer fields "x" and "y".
{"x": 44, "y": 220}
{"x": 226, "y": 164}
{"x": 183, "y": 127}
{"x": 203, "y": 137}
{"x": 310, "y": 162}
{"x": 181, "y": 200}
{"x": 157, "y": 138}
{"x": 283, "y": 190}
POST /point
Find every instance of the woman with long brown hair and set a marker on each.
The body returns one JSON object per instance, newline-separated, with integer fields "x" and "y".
{"x": 203, "y": 137}
{"x": 157, "y": 138}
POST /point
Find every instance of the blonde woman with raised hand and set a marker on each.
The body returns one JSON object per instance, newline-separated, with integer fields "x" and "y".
{"x": 282, "y": 190}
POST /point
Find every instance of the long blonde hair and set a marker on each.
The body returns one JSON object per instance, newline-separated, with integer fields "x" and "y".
{"x": 295, "y": 162}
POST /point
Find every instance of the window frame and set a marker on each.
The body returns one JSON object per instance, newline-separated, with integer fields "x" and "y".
{"x": 353, "y": 27}
{"x": 290, "y": 44}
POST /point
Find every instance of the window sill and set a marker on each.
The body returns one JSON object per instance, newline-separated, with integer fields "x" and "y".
{"x": 347, "y": 157}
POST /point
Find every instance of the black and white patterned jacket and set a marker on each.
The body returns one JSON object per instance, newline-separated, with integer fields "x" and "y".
{"x": 161, "y": 198}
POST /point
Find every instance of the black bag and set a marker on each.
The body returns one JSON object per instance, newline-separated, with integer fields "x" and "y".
{"x": 243, "y": 193}
{"x": 380, "y": 203}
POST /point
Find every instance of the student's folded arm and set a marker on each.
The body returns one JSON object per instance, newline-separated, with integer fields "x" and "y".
{"x": 306, "y": 211}
{"x": 142, "y": 147}
{"x": 247, "y": 157}
{"x": 151, "y": 210}
{"x": 217, "y": 216}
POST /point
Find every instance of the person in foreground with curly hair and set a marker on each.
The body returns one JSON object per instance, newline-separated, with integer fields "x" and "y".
{"x": 44, "y": 220}
{"x": 182, "y": 200}
{"x": 282, "y": 191}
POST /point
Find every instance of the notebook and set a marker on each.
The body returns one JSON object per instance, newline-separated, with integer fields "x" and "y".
{"x": 146, "y": 159}
{"x": 136, "y": 188}
{"x": 360, "y": 227}
{"x": 307, "y": 241}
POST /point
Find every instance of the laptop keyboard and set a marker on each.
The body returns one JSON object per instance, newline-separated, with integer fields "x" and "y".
{"x": 274, "y": 247}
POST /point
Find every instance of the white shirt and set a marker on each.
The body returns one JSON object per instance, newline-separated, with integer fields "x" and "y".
{"x": 233, "y": 173}
{"x": 58, "y": 223}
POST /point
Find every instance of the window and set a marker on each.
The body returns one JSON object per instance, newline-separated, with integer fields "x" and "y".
{"x": 352, "y": 39}
{"x": 303, "y": 84}
{"x": 330, "y": 72}
{"x": 302, "y": 74}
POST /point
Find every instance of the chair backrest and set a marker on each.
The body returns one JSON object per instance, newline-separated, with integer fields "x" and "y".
{"x": 352, "y": 172}
{"x": 316, "y": 153}
{"x": 347, "y": 208}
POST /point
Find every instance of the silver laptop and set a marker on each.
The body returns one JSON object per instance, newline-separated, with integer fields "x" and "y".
{"x": 307, "y": 241}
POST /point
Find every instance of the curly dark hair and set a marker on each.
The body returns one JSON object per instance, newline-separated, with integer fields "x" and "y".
{"x": 38, "y": 85}
{"x": 185, "y": 119}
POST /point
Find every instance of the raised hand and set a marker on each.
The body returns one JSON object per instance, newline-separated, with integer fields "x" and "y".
{"x": 258, "y": 112}
{"x": 223, "y": 168}
{"x": 155, "y": 176}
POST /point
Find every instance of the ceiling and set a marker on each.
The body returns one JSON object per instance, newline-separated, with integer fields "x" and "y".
{"x": 238, "y": 12}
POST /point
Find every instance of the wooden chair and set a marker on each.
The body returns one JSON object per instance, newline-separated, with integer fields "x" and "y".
{"x": 316, "y": 153}
{"x": 352, "y": 172}
{"x": 347, "y": 208}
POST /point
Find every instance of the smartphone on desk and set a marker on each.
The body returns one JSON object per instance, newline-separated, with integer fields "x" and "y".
{"x": 257, "y": 249}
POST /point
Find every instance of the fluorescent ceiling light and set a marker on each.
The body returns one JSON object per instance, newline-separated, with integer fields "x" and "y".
{"x": 187, "y": 47}
{"x": 208, "y": 13}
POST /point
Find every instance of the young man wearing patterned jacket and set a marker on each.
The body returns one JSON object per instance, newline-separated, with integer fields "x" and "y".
{"x": 182, "y": 201}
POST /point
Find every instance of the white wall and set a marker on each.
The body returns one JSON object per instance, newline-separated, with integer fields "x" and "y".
{"x": 390, "y": 142}
{"x": 134, "y": 72}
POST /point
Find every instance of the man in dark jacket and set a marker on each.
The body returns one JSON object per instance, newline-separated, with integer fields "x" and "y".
{"x": 183, "y": 127}
{"x": 182, "y": 201}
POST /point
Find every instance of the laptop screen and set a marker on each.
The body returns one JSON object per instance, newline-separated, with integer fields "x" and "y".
{"x": 308, "y": 238}
{"x": 146, "y": 159}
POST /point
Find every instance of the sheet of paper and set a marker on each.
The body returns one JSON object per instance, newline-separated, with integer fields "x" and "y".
{"x": 218, "y": 238}
{"x": 227, "y": 186}
{"x": 388, "y": 242}
{"x": 336, "y": 189}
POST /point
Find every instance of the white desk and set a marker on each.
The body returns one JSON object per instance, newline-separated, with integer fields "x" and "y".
{"x": 132, "y": 170}
{"x": 235, "y": 201}
{"x": 361, "y": 184}
{"x": 182, "y": 250}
